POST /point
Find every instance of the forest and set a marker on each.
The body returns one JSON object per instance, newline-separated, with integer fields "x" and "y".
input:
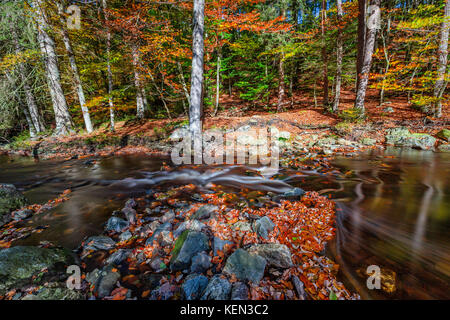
{"x": 322, "y": 173}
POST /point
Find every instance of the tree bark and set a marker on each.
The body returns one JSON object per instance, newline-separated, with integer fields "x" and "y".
{"x": 324, "y": 56}
{"x": 219, "y": 56}
{"x": 183, "y": 83}
{"x": 441, "y": 84}
{"x": 281, "y": 85}
{"x": 339, "y": 56}
{"x": 74, "y": 67}
{"x": 140, "y": 103}
{"x": 369, "y": 47}
{"x": 108, "y": 67}
{"x": 361, "y": 39}
{"x": 47, "y": 46}
{"x": 196, "y": 105}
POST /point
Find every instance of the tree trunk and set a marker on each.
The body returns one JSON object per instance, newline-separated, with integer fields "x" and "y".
{"x": 324, "y": 56}
{"x": 74, "y": 67}
{"x": 47, "y": 46}
{"x": 361, "y": 39}
{"x": 183, "y": 83}
{"x": 367, "y": 60}
{"x": 196, "y": 105}
{"x": 140, "y": 104}
{"x": 339, "y": 56}
{"x": 108, "y": 66}
{"x": 440, "y": 84}
{"x": 281, "y": 86}
{"x": 32, "y": 113}
{"x": 219, "y": 55}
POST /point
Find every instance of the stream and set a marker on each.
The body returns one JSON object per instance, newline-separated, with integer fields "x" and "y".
{"x": 393, "y": 207}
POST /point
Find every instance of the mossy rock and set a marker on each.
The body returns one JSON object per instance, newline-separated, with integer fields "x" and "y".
{"x": 444, "y": 135}
{"x": 55, "y": 291}
{"x": 10, "y": 199}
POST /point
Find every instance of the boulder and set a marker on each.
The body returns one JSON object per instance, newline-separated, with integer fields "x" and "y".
{"x": 444, "y": 134}
{"x": 55, "y": 291}
{"x": 263, "y": 227}
{"x": 193, "y": 286}
{"x": 130, "y": 214}
{"x": 99, "y": 243}
{"x": 10, "y": 200}
{"x": 21, "y": 263}
{"x": 192, "y": 225}
{"x": 402, "y": 137}
{"x": 104, "y": 281}
{"x": 200, "y": 263}
{"x": 239, "y": 291}
{"x": 204, "y": 212}
{"x": 246, "y": 266}
{"x": 217, "y": 289}
{"x": 119, "y": 256}
{"x": 219, "y": 245}
{"x": 163, "y": 227}
{"x": 188, "y": 245}
{"x": 276, "y": 255}
{"x": 127, "y": 235}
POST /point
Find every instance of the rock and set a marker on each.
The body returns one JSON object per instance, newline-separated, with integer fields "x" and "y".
{"x": 22, "y": 214}
{"x": 106, "y": 281}
{"x": 444, "y": 134}
{"x": 276, "y": 255}
{"x": 10, "y": 200}
{"x": 158, "y": 265}
{"x": 99, "y": 243}
{"x": 167, "y": 217}
{"x": 55, "y": 291}
{"x": 187, "y": 245}
{"x": 131, "y": 203}
{"x": 219, "y": 245}
{"x": 164, "y": 227}
{"x": 127, "y": 235}
{"x": 242, "y": 226}
{"x": 263, "y": 227}
{"x": 151, "y": 280}
{"x": 116, "y": 224}
{"x": 402, "y": 137}
{"x": 200, "y": 263}
{"x": 388, "y": 110}
{"x": 21, "y": 263}
{"x": 246, "y": 266}
{"x": 165, "y": 292}
{"x": 239, "y": 291}
{"x": 119, "y": 256}
{"x": 193, "y": 286}
{"x": 444, "y": 148}
{"x": 130, "y": 214}
{"x": 204, "y": 212}
{"x": 217, "y": 289}
{"x": 368, "y": 141}
{"x": 294, "y": 194}
{"x": 165, "y": 238}
{"x": 192, "y": 225}
{"x": 179, "y": 134}
{"x": 299, "y": 287}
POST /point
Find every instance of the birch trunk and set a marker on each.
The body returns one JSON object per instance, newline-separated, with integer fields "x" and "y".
{"x": 75, "y": 73}
{"x": 339, "y": 56}
{"x": 47, "y": 46}
{"x": 108, "y": 67}
{"x": 367, "y": 62}
{"x": 441, "y": 84}
{"x": 217, "y": 83}
{"x": 324, "y": 56}
{"x": 361, "y": 39}
{"x": 281, "y": 85}
{"x": 196, "y": 105}
{"x": 185, "y": 90}
{"x": 140, "y": 104}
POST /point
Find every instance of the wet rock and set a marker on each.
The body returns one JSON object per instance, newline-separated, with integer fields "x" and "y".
{"x": 55, "y": 291}
{"x": 150, "y": 280}
{"x": 165, "y": 238}
{"x": 217, "y": 289}
{"x": 444, "y": 148}
{"x": 276, "y": 255}
{"x": 22, "y": 214}
{"x": 130, "y": 215}
{"x": 158, "y": 265}
{"x": 116, "y": 224}
{"x": 163, "y": 227}
{"x": 402, "y": 137}
{"x": 239, "y": 291}
{"x": 263, "y": 227}
{"x": 193, "y": 286}
{"x": 168, "y": 216}
{"x": 204, "y": 212}
{"x": 131, "y": 203}
{"x": 10, "y": 200}
{"x": 119, "y": 256}
{"x": 246, "y": 266}
{"x": 444, "y": 134}
{"x": 164, "y": 292}
{"x": 187, "y": 245}
{"x": 368, "y": 141}
{"x": 21, "y": 263}
{"x": 200, "y": 263}
{"x": 104, "y": 281}
{"x": 219, "y": 245}
{"x": 99, "y": 243}
{"x": 294, "y": 194}
{"x": 299, "y": 287}
{"x": 242, "y": 226}
{"x": 192, "y": 225}
{"x": 127, "y": 235}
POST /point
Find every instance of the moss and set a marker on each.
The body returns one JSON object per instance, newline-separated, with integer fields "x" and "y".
{"x": 179, "y": 244}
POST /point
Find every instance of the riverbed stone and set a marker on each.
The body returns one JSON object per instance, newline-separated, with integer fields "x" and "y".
{"x": 201, "y": 262}
{"x": 130, "y": 214}
{"x": 22, "y": 214}
{"x": 219, "y": 245}
{"x": 204, "y": 212}
{"x": 444, "y": 147}
{"x": 22, "y": 262}
{"x": 246, "y": 266}
{"x": 105, "y": 281}
{"x": 119, "y": 256}
{"x": 116, "y": 224}
{"x": 99, "y": 243}
{"x": 192, "y": 225}
{"x": 55, "y": 291}
{"x": 239, "y": 291}
{"x": 263, "y": 227}
{"x": 218, "y": 289}
{"x": 402, "y": 137}
{"x": 276, "y": 255}
{"x": 193, "y": 286}
{"x": 187, "y": 245}
{"x": 163, "y": 227}
{"x": 125, "y": 236}
{"x": 444, "y": 134}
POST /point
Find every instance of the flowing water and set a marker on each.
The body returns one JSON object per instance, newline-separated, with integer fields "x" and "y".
{"x": 393, "y": 207}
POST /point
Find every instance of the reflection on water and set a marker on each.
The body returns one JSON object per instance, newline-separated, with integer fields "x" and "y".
{"x": 394, "y": 207}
